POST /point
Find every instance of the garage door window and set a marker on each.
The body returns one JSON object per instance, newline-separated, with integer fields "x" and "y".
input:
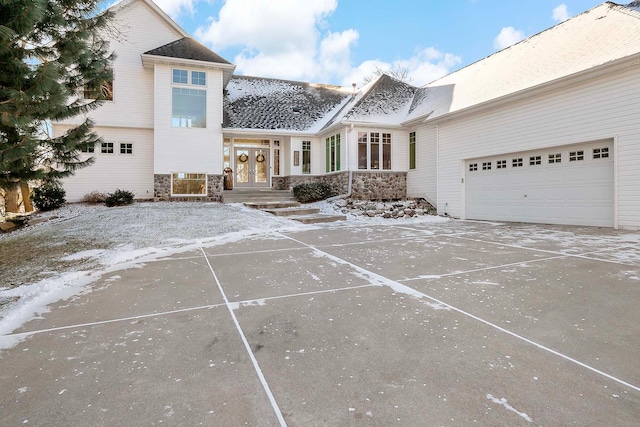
{"x": 516, "y": 163}
{"x": 535, "y": 160}
{"x": 576, "y": 156}
{"x": 601, "y": 153}
{"x": 486, "y": 166}
{"x": 473, "y": 167}
{"x": 501, "y": 164}
{"x": 555, "y": 158}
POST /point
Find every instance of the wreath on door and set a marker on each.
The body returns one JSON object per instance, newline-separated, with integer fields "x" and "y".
{"x": 243, "y": 158}
{"x": 260, "y": 158}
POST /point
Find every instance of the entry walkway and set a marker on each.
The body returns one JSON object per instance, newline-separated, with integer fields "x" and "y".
{"x": 456, "y": 323}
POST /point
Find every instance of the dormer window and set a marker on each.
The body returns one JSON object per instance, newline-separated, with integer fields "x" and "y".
{"x": 180, "y": 77}
{"x": 184, "y": 77}
{"x": 198, "y": 78}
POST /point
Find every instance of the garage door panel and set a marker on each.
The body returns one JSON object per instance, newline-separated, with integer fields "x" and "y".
{"x": 578, "y": 192}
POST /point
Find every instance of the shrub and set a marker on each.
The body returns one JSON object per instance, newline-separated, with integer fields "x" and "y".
{"x": 312, "y": 192}
{"x": 94, "y": 197}
{"x": 119, "y": 198}
{"x": 48, "y": 196}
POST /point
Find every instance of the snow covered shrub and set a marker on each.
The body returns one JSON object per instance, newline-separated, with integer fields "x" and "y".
{"x": 307, "y": 193}
{"x": 48, "y": 196}
{"x": 119, "y": 198}
{"x": 94, "y": 197}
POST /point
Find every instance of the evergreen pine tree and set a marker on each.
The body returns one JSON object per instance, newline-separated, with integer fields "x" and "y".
{"x": 51, "y": 52}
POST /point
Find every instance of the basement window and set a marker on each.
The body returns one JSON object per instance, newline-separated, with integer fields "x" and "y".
{"x": 575, "y": 156}
{"x": 555, "y": 158}
{"x": 535, "y": 160}
{"x": 188, "y": 184}
{"x": 516, "y": 163}
{"x": 601, "y": 153}
{"x": 473, "y": 167}
{"x": 501, "y": 164}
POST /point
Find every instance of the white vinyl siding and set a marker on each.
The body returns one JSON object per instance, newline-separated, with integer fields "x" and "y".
{"x": 597, "y": 110}
{"x": 187, "y": 149}
{"x": 421, "y": 182}
{"x": 132, "y": 172}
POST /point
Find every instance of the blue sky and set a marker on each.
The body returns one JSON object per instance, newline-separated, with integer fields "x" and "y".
{"x": 342, "y": 41}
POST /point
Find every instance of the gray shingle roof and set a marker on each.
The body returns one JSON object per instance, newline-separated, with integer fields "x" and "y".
{"x": 261, "y": 103}
{"x": 387, "y": 101}
{"x": 187, "y": 48}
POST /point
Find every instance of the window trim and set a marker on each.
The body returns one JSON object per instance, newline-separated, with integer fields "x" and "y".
{"x": 383, "y": 143}
{"x": 412, "y": 150}
{"x": 306, "y": 158}
{"x": 332, "y": 153}
{"x": 206, "y": 189}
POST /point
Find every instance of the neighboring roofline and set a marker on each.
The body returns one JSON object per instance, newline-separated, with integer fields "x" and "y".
{"x": 562, "y": 82}
{"x": 126, "y": 3}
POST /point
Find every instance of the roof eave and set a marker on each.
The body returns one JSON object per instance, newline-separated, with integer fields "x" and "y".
{"x": 267, "y": 132}
{"x": 562, "y": 82}
{"x": 227, "y": 69}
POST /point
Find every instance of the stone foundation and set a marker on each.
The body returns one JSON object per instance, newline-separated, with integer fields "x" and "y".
{"x": 379, "y": 185}
{"x": 162, "y": 190}
{"x": 364, "y": 186}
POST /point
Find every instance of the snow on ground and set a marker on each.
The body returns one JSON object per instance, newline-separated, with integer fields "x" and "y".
{"x": 54, "y": 260}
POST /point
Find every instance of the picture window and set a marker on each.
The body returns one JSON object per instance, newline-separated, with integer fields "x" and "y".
{"x": 189, "y": 184}
{"x": 575, "y": 156}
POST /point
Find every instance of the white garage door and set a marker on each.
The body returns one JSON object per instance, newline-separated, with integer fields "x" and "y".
{"x": 562, "y": 185}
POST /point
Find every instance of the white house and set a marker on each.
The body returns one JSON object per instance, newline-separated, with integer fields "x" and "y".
{"x": 545, "y": 131}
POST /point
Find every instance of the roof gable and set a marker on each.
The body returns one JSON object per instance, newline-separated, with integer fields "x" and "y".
{"x": 156, "y": 9}
{"x": 187, "y": 48}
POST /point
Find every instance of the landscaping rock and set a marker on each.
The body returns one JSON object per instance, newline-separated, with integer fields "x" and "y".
{"x": 7, "y": 226}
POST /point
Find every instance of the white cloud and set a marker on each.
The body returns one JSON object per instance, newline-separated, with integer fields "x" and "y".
{"x": 290, "y": 39}
{"x": 175, "y": 8}
{"x": 561, "y": 13}
{"x": 507, "y": 37}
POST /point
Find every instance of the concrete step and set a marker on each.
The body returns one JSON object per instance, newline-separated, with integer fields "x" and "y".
{"x": 292, "y": 211}
{"x": 257, "y": 195}
{"x": 272, "y": 204}
{"x": 317, "y": 218}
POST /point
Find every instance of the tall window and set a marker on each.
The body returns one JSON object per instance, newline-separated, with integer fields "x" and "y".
{"x": 412, "y": 150}
{"x": 188, "y": 106}
{"x": 333, "y": 153}
{"x": 276, "y": 157}
{"x": 377, "y": 150}
{"x": 386, "y": 151}
{"x": 306, "y": 157}
{"x": 362, "y": 150}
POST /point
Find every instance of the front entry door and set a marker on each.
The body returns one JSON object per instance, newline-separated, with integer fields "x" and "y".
{"x": 252, "y": 167}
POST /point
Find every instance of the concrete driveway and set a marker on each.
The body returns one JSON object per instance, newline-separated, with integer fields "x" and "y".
{"x": 456, "y": 323}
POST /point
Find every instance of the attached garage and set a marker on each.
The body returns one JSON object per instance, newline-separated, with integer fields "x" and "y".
{"x": 560, "y": 185}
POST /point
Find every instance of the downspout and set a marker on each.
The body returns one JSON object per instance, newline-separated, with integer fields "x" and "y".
{"x": 345, "y": 196}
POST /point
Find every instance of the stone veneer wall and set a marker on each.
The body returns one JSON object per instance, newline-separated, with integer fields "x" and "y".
{"x": 379, "y": 185}
{"x": 162, "y": 189}
{"x": 364, "y": 186}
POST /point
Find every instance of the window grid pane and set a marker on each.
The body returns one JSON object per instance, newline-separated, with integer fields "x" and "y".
{"x": 198, "y": 78}
{"x": 180, "y": 76}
